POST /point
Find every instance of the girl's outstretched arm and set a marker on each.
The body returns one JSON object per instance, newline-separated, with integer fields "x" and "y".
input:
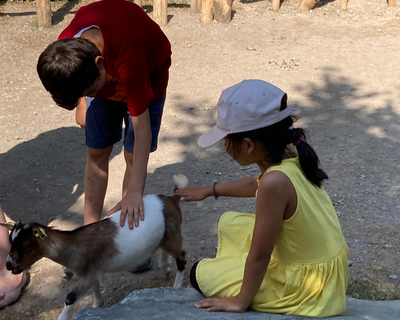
{"x": 272, "y": 200}
{"x": 245, "y": 187}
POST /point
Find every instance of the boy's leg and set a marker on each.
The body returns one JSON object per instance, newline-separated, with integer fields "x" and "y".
{"x": 156, "y": 109}
{"x": 103, "y": 129}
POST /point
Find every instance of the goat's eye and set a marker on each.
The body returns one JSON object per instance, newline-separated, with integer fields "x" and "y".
{"x": 26, "y": 244}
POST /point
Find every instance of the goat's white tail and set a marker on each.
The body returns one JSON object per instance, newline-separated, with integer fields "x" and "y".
{"x": 181, "y": 181}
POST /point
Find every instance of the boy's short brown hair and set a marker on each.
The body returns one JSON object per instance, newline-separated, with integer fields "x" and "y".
{"x": 67, "y": 68}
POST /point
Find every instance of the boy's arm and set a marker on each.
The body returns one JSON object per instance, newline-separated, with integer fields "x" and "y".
{"x": 80, "y": 113}
{"x": 131, "y": 204}
{"x": 245, "y": 187}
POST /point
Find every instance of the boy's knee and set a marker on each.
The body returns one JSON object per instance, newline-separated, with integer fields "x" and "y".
{"x": 99, "y": 155}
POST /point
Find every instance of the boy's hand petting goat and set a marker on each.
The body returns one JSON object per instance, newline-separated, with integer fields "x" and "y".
{"x": 88, "y": 252}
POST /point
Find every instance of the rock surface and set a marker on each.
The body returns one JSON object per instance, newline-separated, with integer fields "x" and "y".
{"x": 178, "y": 304}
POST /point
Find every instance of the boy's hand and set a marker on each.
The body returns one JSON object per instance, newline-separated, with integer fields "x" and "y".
{"x": 195, "y": 193}
{"x": 132, "y": 206}
{"x": 230, "y": 304}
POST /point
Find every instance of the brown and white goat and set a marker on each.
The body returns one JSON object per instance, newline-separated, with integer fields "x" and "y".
{"x": 104, "y": 246}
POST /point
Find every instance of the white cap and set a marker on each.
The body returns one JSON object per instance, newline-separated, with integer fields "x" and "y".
{"x": 248, "y": 105}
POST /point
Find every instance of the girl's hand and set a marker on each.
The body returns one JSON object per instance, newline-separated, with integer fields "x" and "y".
{"x": 230, "y": 304}
{"x": 196, "y": 193}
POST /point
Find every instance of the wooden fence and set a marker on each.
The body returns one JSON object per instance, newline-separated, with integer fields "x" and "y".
{"x": 218, "y": 10}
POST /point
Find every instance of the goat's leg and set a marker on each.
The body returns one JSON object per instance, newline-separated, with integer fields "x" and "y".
{"x": 173, "y": 246}
{"x": 164, "y": 262}
{"x": 73, "y": 296}
{"x": 97, "y": 298}
{"x": 68, "y": 273}
{"x": 180, "y": 263}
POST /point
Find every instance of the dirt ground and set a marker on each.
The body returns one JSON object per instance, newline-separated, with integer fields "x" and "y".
{"x": 341, "y": 68}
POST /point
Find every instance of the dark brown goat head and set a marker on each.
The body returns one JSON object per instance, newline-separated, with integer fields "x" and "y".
{"x": 27, "y": 245}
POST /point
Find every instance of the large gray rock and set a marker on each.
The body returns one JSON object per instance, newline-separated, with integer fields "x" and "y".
{"x": 178, "y": 304}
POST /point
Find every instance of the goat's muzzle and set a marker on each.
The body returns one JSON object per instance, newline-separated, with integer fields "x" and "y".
{"x": 12, "y": 266}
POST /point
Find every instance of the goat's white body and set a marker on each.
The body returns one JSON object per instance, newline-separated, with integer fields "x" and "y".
{"x": 137, "y": 245}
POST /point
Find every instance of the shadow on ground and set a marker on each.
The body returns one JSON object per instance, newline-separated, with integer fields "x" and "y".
{"x": 61, "y": 155}
{"x": 365, "y": 135}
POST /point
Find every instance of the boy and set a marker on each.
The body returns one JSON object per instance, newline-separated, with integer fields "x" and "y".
{"x": 113, "y": 53}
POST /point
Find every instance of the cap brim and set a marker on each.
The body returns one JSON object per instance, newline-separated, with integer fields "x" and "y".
{"x": 211, "y": 137}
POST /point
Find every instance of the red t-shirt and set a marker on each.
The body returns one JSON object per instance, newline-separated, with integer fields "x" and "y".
{"x": 137, "y": 53}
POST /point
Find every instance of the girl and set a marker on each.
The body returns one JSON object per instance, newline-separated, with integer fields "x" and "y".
{"x": 290, "y": 257}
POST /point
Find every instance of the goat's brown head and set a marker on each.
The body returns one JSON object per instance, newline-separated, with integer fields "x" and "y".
{"x": 27, "y": 245}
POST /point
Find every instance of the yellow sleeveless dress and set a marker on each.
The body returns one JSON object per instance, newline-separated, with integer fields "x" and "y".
{"x": 308, "y": 271}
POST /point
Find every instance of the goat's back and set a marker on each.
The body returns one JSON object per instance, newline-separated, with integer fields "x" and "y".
{"x": 137, "y": 245}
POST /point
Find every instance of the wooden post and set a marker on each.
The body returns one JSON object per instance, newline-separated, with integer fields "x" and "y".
{"x": 343, "y": 5}
{"x": 392, "y": 3}
{"x": 275, "y": 5}
{"x": 43, "y": 9}
{"x": 195, "y": 6}
{"x": 160, "y": 12}
{"x": 223, "y": 11}
{"x": 207, "y": 11}
{"x": 306, "y": 5}
{"x": 138, "y": 2}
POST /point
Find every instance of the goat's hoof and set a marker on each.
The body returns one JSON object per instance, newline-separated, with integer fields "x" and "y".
{"x": 98, "y": 304}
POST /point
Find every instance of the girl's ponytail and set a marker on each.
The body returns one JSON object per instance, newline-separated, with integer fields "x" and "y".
{"x": 308, "y": 158}
{"x": 276, "y": 138}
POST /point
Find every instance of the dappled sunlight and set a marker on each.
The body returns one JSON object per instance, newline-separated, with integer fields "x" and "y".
{"x": 377, "y": 132}
{"x": 314, "y": 282}
{"x": 74, "y": 189}
{"x": 353, "y": 106}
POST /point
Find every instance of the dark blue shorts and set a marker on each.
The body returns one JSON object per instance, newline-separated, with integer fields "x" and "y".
{"x": 104, "y": 123}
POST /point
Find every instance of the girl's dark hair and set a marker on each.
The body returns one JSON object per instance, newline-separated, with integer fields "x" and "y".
{"x": 276, "y": 139}
{"x": 67, "y": 68}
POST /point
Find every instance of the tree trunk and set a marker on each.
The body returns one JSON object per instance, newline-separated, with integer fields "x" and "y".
{"x": 343, "y": 5}
{"x": 275, "y": 5}
{"x": 195, "y": 6}
{"x": 223, "y": 11}
{"x": 207, "y": 11}
{"x": 43, "y": 8}
{"x": 392, "y": 3}
{"x": 306, "y": 5}
{"x": 160, "y": 12}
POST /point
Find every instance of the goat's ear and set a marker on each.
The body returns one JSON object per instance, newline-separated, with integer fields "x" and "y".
{"x": 8, "y": 225}
{"x": 39, "y": 233}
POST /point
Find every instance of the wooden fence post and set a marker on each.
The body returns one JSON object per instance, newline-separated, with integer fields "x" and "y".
{"x": 207, "y": 11}
{"x": 160, "y": 12}
{"x": 138, "y": 2}
{"x": 392, "y": 3}
{"x": 306, "y": 5}
{"x": 43, "y": 9}
{"x": 275, "y": 5}
{"x": 343, "y": 5}
{"x": 195, "y": 6}
{"x": 223, "y": 11}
